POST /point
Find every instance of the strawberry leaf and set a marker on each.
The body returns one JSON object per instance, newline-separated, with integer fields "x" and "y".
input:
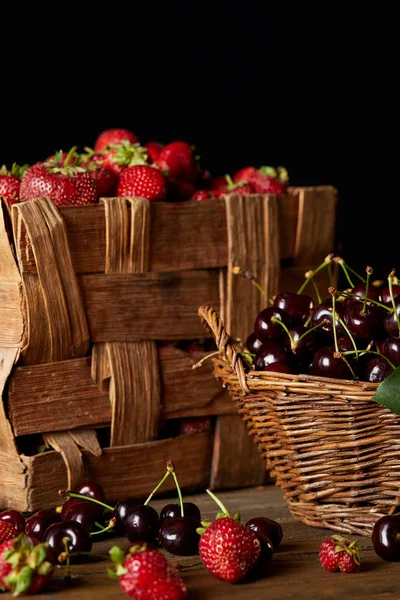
{"x": 388, "y": 392}
{"x": 112, "y": 574}
{"x": 117, "y": 555}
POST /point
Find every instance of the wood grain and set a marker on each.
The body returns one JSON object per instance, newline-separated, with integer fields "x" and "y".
{"x": 121, "y": 471}
{"x": 144, "y": 305}
{"x": 180, "y": 233}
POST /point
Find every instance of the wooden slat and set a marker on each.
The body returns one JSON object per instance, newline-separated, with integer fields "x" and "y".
{"x": 121, "y": 471}
{"x": 144, "y": 306}
{"x": 12, "y": 481}
{"x": 64, "y": 444}
{"x": 236, "y": 460}
{"x": 63, "y": 395}
{"x": 316, "y": 224}
{"x": 253, "y": 242}
{"x": 184, "y": 236}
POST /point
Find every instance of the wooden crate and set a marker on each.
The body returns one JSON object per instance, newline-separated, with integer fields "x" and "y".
{"x": 87, "y": 293}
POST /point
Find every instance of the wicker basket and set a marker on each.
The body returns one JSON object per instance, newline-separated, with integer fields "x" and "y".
{"x": 86, "y": 296}
{"x": 333, "y": 451}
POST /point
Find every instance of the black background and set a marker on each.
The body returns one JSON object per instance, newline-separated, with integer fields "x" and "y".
{"x": 312, "y": 86}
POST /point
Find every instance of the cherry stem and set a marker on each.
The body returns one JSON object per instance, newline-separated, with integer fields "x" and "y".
{"x": 157, "y": 488}
{"x": 390, "y": 282}
{"x": 218, "y": 501}
{"x": 362, "y": 352}
{"x": 311, "y": 274}
{"x": 333, "y": 292}
{"x": 278, "y": 321}
{"x": 65, "y": 542}
{"x": 250, "y": 276}
{"x": 369, "y": 273}
{"x": 72, "y": 494}
{"x": 111, "y": 525}
{"x": 346, "y": 268}
{"x": 303, "y": 335}
{"x": 345, "y": 294}
{"x": 179, "y": 566}
{"x": 318, "y": 295}
{"x": 171, "y": 469}
{"x": 343, "y": 324}
{"x": 202, "y": 360}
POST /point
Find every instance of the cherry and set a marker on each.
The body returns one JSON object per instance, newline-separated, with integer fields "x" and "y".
{"x": 271, "y": 352}
{"x": 85, "y": 513}
{"x": 322, "y": 316}
{"x": 78, "y": 537}
{"x": 326, "y": 365}
{"x": 38, "y": 523}
{"x": 16, "y": 518}
{"x": 170, "y": 511}
{"x": 297, "y": 306}
{"x": 307, "y": 346}
{"x": 179, "y": 535}
{"x": 361, "y": 319}
{"x": 252, "y": 343}
{"x": 281, "y": 367}
{"x": 268, "y": 528}
{"x": 141, "y": 523}
{"x": 265, "y": 328}
{"x": 386, "y": 537}
{"x": 390, "y": 320}
{"x": 377, "y": 369}
{"x": 121, "y": 509}
{"x": 360, "y": 291}
{"x": 385, "y": 294}
{"x": 391, "y": 349}
{"x": 90, "y": 489}
{"x": 95, "y": 508}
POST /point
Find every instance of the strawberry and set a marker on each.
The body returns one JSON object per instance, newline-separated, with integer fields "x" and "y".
{"x": 338, "y": 553}
{"x": 25, "y": 566}
{"x": 7, "y": 531}
{"x": 114, "y": 136}
{"x": 143, "y": 181}
{"x": 153, "y": 150}
{"x": 245, "y": 174}
{"x": 240, "y": 187}
{"x": 179, "y": 191}
{"x": 194, "y": 425}
{"x": 218, "y": 182}
{"x": 144, "y": 573}
{"x": 227, "y": 548}
{"x": 178, "y": 160}
{"x": 106, "y": 180}
{"x": 265, "y": 180}
{"x": 119, "y": 157}
{"x": 202, "y": 195}
{"x": 10, "y": 182}
{"x": 64, "y": 183}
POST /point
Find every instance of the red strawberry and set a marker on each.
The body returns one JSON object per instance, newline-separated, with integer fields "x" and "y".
{"x": 7, "y": 531}
{"x": 10, "y": 182}
{"x": 245, "y": 174}
{"x": 178, "y": 160}
{"x": 202, "y": 195}
{"x": 179, "y": 191}
{"x": 106, "y": 180}
{"x": 194, "y": 425}
{"x": 338, "y": 553}
{"x": 240, "y": 187}
{"x": 143, "y": 181}
{"x": 267, "y": 180}
{"x": 64, "y": 184}
{"x": 145, "y": 574}
{"x": 114, "y": 136}
{"x": 227, "y": 548}
{"x": 153, "y": 150}
{"x": 121, "y": 156}
{"x": 25, "y": 567}
{"x": 218, "y": 182}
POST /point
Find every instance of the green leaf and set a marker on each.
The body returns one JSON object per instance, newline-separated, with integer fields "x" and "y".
{"x": 117, "y": 555}
{"x": 201, "y": 530}
{"x": 112, "y": 574}
{"x": 236, "y": 517}
{"x": 23, "y": 582}
{"x": 388, "y": 392}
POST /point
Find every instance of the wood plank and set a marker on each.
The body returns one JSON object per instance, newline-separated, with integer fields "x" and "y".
{"x": 248, "y": 468}
{"x": 142, "y": 306}
{"x": 184, "y": 236}
{"x": 122, "y": 471}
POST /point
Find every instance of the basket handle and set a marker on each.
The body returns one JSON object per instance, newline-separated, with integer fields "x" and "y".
{"x": 214, "y": 324}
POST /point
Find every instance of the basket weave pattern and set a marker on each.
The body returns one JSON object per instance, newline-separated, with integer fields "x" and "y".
{"x": 333, "y": 451}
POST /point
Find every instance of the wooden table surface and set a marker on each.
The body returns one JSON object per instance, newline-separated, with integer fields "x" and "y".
{"x": 294, "y": 571}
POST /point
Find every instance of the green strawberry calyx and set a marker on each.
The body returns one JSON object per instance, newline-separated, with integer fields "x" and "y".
{"x": 67, "y": 166}
{"x": 119, "y": 556}
{"x": 351, "y": 548}
{"x": 128, "y": 154}
{"x": 233, "y": 185}
{"x": 222, "y": 514}
{"x": 15, "y": 171}
{"x": 279, "y": 173}
{"x": 26, "y": 559}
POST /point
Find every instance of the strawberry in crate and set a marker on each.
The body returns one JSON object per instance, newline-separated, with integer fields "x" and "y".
{"x": 10, "y": 182}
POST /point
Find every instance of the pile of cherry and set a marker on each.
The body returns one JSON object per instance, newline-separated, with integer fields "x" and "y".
{"x": 70, "y": 530}
{"x": 349, "y": 334}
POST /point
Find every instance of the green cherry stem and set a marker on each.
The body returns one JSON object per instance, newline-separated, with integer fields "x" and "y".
{"x": 171, "y": 469}
{"x": 311, "y": 274}
{"x": 202, "y": 360}
{"x": 167, "y": 474}
{"x": 390, "y": 282}
{"x": 236, "y": 270}
{"x": 346, "y": 294}
{"x": 363, "y": 352}
{"x": 333, "y": 293}
{"x": 317, "y": 294}
{"x": 111, "y": 525}
{"x": 279, "y": 322}
{"x": 218, "y": 502}
{"x": 72, "y": 494}
{"x": 369, "y": 271}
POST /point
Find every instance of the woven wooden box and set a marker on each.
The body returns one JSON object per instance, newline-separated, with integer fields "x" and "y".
{"x": 86, "y": 293}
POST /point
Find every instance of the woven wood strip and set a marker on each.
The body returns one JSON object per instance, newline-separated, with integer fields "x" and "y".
{"x": 63, "y": 443}
{"x": 8, "y": 358}
{"x": 66, "y": 334}
{"x": 253, "y": 244}
{"x": 333, "y": 451}
{"x": 87, "y": 440}
{"x": 131, "y": 366}
{"x": 12, "y": 307}
{"x": 315, "y": 224}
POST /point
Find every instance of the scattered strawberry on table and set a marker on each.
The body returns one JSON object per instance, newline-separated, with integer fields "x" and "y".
{"x": 337, "y": 553}
{"x": 120, "y": 164}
